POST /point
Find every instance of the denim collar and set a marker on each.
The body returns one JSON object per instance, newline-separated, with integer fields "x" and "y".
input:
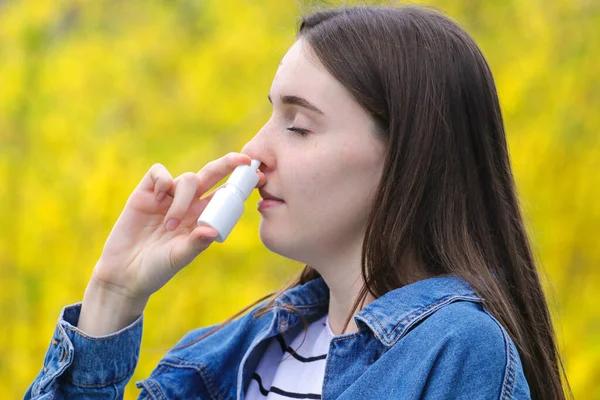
{"x": 390, "y": 316}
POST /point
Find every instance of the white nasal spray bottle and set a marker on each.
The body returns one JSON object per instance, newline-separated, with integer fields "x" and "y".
{"x": 227, "y": 204}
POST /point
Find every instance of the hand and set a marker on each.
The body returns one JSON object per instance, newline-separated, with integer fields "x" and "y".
{"x": 156, "y": 234}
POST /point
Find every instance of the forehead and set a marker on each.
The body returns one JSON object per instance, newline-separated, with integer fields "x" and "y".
{"x": 302, "y": 74}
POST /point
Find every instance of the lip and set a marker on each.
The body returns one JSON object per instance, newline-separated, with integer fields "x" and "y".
{"x": 268, "y": 196}
{"x": 263, "y": 204}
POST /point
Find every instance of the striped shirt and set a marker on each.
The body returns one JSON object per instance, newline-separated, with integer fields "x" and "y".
{"x": 293, "y": 367}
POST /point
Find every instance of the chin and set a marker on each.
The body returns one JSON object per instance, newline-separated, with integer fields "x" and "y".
{"x": 271, "y": 239}
{"x": 282, "y": 244}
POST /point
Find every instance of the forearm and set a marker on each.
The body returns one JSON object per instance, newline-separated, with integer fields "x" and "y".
{"x": 104, "y": 312}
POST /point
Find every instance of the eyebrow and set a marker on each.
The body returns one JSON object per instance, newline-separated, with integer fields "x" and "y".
{"x": 298, "y": 101}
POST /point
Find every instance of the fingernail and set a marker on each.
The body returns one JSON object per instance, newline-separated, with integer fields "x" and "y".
{"x": 160, "y": 196}
{"x": 172, "y": 224}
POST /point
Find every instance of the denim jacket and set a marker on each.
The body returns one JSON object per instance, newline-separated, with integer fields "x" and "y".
{"x": 431, "y": 339}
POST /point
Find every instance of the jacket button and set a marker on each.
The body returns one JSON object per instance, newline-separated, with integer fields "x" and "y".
{"x": 283, "y": 325}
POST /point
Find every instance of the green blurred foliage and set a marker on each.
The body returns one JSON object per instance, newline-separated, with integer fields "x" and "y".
{"x": 93, "y": 93}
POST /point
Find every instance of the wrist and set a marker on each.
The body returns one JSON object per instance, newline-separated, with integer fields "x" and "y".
{"x": 103, "y": 311}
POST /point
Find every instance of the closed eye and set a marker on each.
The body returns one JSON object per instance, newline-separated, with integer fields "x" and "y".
{"x": 300, "y": 131}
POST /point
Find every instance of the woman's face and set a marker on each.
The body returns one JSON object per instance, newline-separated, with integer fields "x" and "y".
{"x": 326, "y": 177}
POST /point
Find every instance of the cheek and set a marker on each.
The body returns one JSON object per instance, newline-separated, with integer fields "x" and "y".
{"x": 312, "y": 183}
{"x": 336, "y": 175}
{"x": 361, "y": 162}
{"x": 362, "y": 166}
{"x": 309, "y": 172}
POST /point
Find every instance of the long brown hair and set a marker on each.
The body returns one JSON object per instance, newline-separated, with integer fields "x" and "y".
{"x": 447, "y": 192}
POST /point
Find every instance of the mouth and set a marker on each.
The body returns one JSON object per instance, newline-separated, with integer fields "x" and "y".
{"x": 266, "y": 203}
{"x": 268, "y": 196}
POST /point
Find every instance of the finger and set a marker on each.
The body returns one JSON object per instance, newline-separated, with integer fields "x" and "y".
{"x": 197, "y": 241}
{"x": 209, "y": 196}
{"x": 216, "y": 170}
{"x": 184, "y": 194}
{"x": 198, "y": 207}
{"x": 203, "y": 233}
{"x": 158, "y": 180}
{"x": 262, "y": 179}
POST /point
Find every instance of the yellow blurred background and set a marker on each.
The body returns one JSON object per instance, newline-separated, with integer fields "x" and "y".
{"x": 93, "y": 93}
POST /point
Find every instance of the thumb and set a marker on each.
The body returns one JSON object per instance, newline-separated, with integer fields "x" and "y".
{"x": 189, "y": 248}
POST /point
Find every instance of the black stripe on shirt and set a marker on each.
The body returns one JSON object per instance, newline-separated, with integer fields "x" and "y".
{"x": 297, "y": 356}
{"x": 275, "y": 389}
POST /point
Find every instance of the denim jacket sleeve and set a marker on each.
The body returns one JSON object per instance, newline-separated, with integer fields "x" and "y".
{"x": 78, "y": 365}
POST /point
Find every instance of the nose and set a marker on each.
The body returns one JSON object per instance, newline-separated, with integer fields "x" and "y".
{"x": 258, "y": 148}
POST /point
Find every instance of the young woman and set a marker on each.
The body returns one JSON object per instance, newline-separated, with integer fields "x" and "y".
{"x": 385, "y": 170}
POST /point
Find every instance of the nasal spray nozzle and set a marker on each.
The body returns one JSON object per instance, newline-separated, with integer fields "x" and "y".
{"x": 227, "y": 204}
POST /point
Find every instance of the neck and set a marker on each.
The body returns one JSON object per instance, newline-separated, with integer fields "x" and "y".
{"x": 343, "y": 277}
{"x": 341, "y": 300}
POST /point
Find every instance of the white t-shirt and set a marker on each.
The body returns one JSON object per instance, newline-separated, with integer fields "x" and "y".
{"x": 293, "y": 370}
